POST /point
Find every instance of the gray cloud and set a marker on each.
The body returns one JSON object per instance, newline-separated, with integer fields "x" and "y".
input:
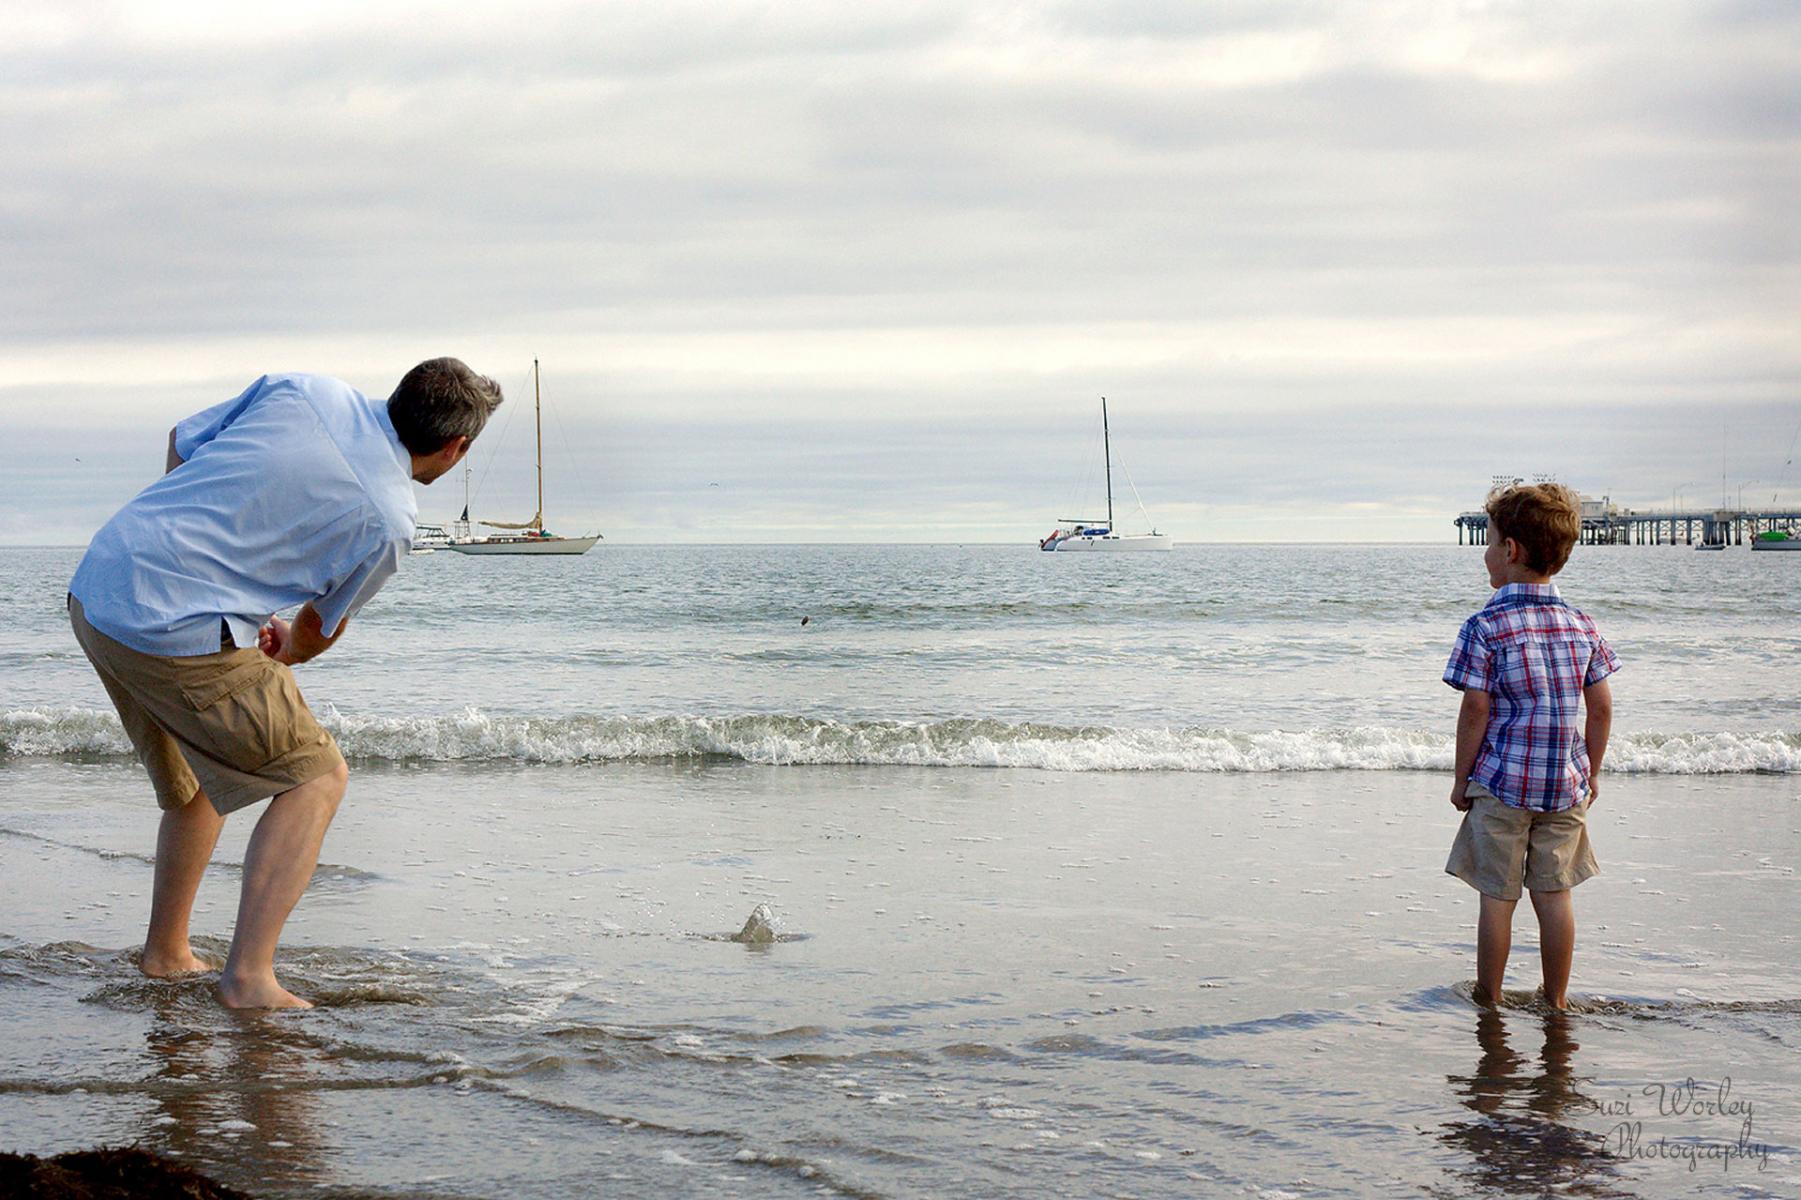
{"x": 757, "y": 234}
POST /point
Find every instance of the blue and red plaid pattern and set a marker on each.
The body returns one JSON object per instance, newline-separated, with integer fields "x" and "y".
{"x": 1533, "y": 654}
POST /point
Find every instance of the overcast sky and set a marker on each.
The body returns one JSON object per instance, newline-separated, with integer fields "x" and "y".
{"x": 862, "y": 272}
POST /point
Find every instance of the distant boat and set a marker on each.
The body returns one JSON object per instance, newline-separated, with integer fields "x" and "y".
{"x": 429, "y": 538}
{"x": 1775, "y": 539}
{"x": 1710, "y": 545}
{"x": 1088, "y": 533}
{"x": 531, "y": 536}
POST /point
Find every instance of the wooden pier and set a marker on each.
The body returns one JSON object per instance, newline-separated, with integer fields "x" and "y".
{"x": 1624, "y": 527}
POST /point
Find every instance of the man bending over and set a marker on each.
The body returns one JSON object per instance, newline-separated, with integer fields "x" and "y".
{"x": 297, "y": 492}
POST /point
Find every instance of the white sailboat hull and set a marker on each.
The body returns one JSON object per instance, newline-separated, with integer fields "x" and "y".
{"x": 1089, "y": 535}
{"x": 549, "y": 545}
{"x": 1128, "y": 543}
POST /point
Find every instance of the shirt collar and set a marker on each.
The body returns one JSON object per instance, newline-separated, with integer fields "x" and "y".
{"x": 1518, "y": 592}
{"x": 401, "y": 454}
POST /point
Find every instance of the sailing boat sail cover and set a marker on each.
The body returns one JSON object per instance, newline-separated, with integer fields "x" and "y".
{"x": 537, "y": 522}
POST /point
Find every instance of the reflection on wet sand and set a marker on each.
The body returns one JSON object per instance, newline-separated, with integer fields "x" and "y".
{"x": 1521, "y": 1140}
{"x": 227, "y": 1096}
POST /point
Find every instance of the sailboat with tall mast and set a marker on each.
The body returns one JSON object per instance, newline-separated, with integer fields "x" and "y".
{"x": 1090, "y": 533}
{"x": 526, "y": 537}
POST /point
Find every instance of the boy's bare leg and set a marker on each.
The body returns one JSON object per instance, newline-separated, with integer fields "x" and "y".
{"x": 184, "y": 845}
{"x": 1494, "y": 940}
{"x": 279, "y": 863}
{"x": 1556, "y": 941}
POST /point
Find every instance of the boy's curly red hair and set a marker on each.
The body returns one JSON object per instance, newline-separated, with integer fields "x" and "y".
{"x": 1544, "y": 518}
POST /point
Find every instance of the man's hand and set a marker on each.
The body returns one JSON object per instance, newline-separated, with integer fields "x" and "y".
{"x": 1459, "y": 801}
{"x": 299, "y": 642}
{"x": 1594, "y": 789}
{"x": 274, "y": 638}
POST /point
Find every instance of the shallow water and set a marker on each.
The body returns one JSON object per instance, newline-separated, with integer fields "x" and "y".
{"x": 1192, "y": 937}
{"x": 990, "y": 983}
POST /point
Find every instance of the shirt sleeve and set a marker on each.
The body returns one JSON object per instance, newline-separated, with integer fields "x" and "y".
{"x": 356, "y": 588}
{"x": 201, "y": 428}
{"x": 1472, "y": 661}
{"x": 1602, "y": 663}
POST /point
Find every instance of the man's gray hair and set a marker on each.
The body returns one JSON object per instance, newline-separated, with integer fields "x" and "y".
{"x": 440, "y": 399}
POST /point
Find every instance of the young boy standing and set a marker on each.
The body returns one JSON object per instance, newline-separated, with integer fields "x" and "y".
{"x": 1525, "y": 772}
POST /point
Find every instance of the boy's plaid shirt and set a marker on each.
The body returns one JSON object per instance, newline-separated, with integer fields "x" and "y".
{"x": 1533, "y": 654}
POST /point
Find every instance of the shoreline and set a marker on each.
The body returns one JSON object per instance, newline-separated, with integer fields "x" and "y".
{"x": 980, "y": 981}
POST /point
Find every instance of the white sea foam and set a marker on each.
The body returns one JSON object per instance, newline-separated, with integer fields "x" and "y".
{"x": 474, "y": 736}
{"x": 61, "y": 731}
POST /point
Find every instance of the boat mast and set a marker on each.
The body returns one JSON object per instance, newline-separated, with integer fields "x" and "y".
{"x": 1107, "y": 451}
{"x": 538, "y": 416}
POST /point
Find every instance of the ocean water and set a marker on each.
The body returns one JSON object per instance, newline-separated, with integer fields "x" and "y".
{"x": 1090, "y": 876}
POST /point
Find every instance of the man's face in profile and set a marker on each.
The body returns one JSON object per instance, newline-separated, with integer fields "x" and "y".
{"x": 445, "y": 460}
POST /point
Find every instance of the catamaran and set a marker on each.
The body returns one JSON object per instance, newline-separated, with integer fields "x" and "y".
{"x": 1089, "y": 533}
{"x": 528, "y": 537}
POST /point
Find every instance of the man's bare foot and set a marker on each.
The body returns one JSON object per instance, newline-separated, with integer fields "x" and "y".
{"x": 1560, "y": 1003}
{"x": 159, "y": 964}
{"x": 257, "y": 993}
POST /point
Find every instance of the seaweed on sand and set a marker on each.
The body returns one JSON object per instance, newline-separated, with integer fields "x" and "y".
{"x": 123, "y": 1174}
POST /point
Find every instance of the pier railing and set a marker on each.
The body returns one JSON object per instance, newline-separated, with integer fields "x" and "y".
{"x": 1718, "y": 526}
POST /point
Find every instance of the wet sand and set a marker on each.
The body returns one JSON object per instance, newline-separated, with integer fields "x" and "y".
{"x": 998, "y": 983}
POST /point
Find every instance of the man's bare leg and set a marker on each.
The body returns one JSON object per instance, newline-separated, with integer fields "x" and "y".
{"x": 184, "y": 845}
{"x": 1556, "y": 942}
{"x": 1494, "y": 940}
{"x": 279, "y": 863}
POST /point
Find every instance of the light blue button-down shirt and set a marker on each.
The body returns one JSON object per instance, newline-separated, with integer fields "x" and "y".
{"x": 297, "y": 490}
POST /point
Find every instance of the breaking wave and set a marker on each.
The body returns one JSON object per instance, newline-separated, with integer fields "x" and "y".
{"x": 474, "y": 736}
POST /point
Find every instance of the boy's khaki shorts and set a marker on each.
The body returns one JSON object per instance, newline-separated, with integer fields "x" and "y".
{"x": 232, "y": 723}
{"x": 1499, "y": 847}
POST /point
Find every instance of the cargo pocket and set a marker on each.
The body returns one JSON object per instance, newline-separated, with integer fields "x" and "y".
{"x": 241, "y": 709}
